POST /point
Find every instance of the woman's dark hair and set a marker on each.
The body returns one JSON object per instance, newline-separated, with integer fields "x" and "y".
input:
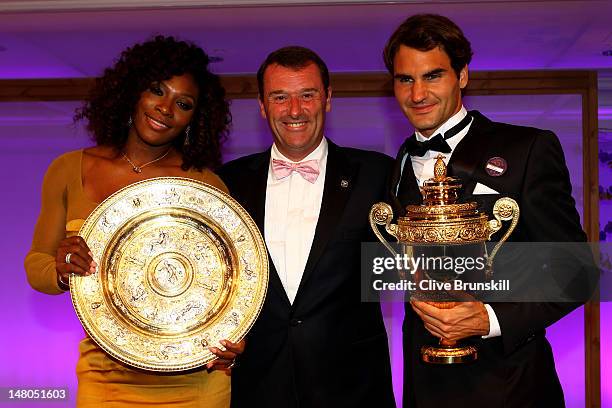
{"x": 424, "y": 32}
{"x": 116, "y": 93}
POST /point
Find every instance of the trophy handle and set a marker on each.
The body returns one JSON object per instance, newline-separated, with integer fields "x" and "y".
{"x": 382, "y": 214}
{"x": 505, "y": 209}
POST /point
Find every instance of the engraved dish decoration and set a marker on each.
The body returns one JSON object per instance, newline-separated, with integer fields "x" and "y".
{"x": 181, "y": 266}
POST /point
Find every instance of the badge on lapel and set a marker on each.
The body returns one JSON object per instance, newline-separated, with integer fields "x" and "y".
{"x": 344, "y": 183}
{"x": 496, "y": 166}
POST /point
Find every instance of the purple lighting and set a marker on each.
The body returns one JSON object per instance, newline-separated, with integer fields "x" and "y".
{"x": 41, "y": 349}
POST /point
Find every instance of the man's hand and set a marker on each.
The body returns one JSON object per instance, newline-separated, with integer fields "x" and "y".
{"x": 227, "y": 358}
{"x": 463, "y": 320}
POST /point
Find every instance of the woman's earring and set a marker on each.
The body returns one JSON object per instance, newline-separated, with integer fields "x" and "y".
{"x": 130, "y": 122}
{"x": 187, "y": 132}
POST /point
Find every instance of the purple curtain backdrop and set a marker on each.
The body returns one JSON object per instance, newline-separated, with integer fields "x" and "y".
{"x": 41, "y": 333}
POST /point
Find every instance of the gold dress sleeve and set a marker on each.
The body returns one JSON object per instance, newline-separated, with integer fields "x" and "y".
{"x": 50, "y": 229}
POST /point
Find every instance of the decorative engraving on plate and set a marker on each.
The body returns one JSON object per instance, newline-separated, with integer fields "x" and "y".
{"x": 182, "y": 266}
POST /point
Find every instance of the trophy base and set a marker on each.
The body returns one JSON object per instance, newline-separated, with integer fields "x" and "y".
{"x": 448, "y": 354}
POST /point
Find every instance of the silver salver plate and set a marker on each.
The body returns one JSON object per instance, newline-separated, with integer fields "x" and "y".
{"x": 181, "y": 266}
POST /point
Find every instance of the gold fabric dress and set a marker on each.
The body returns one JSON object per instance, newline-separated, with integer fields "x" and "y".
{"x": 103, "y": 382}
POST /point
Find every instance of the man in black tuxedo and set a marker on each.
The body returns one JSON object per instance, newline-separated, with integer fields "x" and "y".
{"x": 428, "y": 57}
{"x": 314, "y": 344}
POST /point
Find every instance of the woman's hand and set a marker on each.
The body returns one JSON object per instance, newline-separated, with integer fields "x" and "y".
{"x": 73, "y": 256}
{"x": 226, "y": 359}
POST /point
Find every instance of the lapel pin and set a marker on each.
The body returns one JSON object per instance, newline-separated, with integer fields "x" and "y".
{"x": 496, "y": 166}
{"x": 344, "y": 183}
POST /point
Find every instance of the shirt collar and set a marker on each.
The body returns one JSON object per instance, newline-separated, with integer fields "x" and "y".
{"x": 452, "y": 121}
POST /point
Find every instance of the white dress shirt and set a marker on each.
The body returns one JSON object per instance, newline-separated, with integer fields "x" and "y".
{"x": 292, "y": 212}
{"x": 423, "y": 170}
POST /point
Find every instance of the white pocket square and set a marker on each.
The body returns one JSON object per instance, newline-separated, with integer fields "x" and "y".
{"x": 482, "y": 189}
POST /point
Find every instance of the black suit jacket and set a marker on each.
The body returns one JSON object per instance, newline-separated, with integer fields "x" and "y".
{"x": 516, "y": 369}
{"x": 327, "y": 349}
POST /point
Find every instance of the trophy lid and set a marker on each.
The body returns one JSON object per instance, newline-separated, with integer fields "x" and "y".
{"x": 440, "y": 195}
{"x": 441, "y": 219}
{"x": 440, "y": 189}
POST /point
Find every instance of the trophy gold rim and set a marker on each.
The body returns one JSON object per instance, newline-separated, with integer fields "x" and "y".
{"x": 181, "y": 266}
{"x": 449, "y": 355}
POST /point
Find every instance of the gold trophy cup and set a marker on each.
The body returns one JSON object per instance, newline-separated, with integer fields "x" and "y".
{"x": 441, "y": 227}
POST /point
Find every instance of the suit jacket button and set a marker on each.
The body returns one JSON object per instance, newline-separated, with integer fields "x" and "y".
{"x": 295, "y": 322}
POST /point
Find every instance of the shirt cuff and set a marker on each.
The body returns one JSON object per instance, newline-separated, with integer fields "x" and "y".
{"x": 494, "y": 329}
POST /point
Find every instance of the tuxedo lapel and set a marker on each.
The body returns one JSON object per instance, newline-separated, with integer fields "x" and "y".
{"x": 470, "y": 153}
{"x": 396, "y": 173}
{"x": 256, "y": 180}
{"x": 339, "y": 179}
{"x": 404, "y": 188}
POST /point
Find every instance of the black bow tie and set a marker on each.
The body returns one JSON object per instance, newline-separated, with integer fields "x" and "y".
{"x": 436, "y": 143}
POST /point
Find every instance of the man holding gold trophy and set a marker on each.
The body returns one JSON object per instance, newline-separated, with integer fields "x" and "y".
{"x": 428, "y": 57}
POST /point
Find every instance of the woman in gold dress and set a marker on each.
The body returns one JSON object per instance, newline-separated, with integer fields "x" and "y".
{"x": 157, "y": 112}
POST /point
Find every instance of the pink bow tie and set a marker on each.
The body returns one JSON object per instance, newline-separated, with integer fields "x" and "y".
{"x": 309, "y": 170}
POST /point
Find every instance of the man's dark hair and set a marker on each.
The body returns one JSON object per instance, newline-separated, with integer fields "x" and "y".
{"x": 294, "y": 57}
{"x": 425, "y": 32}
